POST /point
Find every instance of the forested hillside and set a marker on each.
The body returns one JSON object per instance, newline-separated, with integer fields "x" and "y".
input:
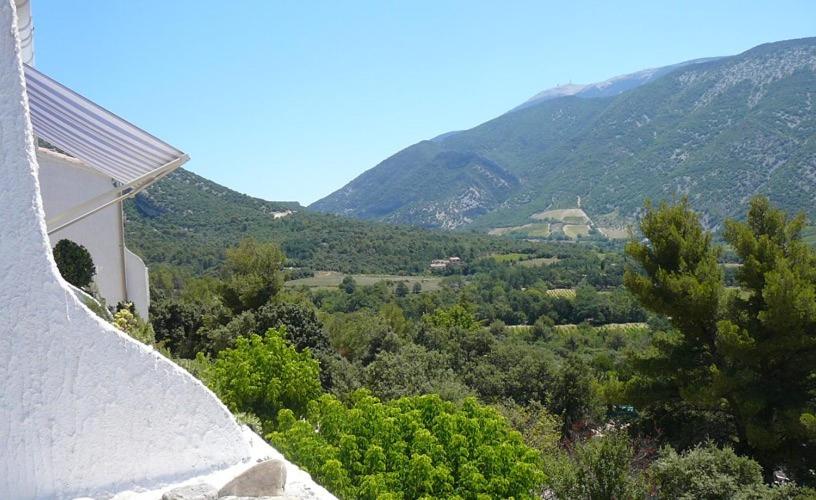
{"x": 587, "y": 374}
{"x": 188, "y": 221}
{"x": 719, "y": 131}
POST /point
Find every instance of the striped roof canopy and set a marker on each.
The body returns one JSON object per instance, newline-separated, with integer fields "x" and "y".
{"x": 96, "y": 136}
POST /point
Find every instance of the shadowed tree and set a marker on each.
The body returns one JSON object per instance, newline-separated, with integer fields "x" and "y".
{"x": 74, "y": 263}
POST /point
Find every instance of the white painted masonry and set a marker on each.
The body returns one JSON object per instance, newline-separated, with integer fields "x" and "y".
{"x": 66, "y": 182}
{"x": 84, "y": 409}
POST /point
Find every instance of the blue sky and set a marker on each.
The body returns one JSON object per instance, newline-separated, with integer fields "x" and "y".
{"x": 291, "y": 100}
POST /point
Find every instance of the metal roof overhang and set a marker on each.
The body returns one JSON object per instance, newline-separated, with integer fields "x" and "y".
{"x": 103, "y": 141}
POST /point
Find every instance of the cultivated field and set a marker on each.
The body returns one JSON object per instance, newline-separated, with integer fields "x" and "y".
{"x": 611, "y": 327}
{"x": 625, "y": 328}
{"x": 615, "y": 233}
{"x": 541, "y": 261}
{"x": 509, "y": 257}
{"x": 564, "y": 293}
{"x": 532, "y": 230}
{"x": 331, "y": 279}
{"x": 566, "y": 215}
{"x": 523, "y": 259}
{"x": 575, "y": 230}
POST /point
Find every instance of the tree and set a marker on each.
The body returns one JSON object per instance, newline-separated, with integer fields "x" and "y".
{"x": 74, "y": 262}
{"x": 348, "y": 284}
{"x": 410, "y": 371}
{"x": 358, "y": 336}
{"x": 456, "y": 316}
{"x": 417, "y": 288}
{"x": 303, "y": 329}
{"x": 252, "y": 274}
{"x": 750, "y": 354}
{"x": 263, "y": 375}
{"x": 574, "y": 398}
{"x": 401, "y": 290}
{"x": 179, "y": 326}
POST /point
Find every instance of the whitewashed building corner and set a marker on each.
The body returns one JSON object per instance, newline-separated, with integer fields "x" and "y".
{"x": 86, "y": 411}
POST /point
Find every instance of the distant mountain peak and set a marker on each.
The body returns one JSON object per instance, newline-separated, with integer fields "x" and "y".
{"x": 610, "y": 87}
{"x": 557, "y": 91}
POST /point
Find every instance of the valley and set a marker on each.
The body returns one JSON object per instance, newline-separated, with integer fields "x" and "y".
{"x": 605, "y": 291}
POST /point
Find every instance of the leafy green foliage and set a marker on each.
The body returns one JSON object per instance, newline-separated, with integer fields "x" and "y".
{"x": 552, "y": 364}
{"x": 253, "y": 274}
{"x": 181, "y": 326}
{"x": 574, "y": 397}
{"x": 415, "y": 447}
{"x": 598, "y": 469}
{"x": 74, "y": 263}
{"x": 262, "y": 375}
{"x": 704, "y": 472}
{"x": 749, "y": 355}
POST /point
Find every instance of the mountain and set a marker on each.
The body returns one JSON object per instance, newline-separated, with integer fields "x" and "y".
{"x": 608, "y": 88}
{"x": 718, "y": 130}
{"x": 187, "y": 221}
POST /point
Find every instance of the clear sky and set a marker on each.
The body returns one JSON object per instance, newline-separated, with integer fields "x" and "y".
{"x": 291, "y": 100}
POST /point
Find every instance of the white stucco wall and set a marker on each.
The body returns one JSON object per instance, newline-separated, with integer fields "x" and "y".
{"x": 64, "y": 183}
{"x": 25, "y": 25}
{"x": 138, "y": 283}
{"x": 84, "y": 409}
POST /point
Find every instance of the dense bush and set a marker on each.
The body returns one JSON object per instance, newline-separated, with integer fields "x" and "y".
{"x": 413, "y": 447}
{"x": 598, "y": 469}
{"x": 74, "y": 263}
{"x": 263, "y": 375}
{"x": 704, "y": 472}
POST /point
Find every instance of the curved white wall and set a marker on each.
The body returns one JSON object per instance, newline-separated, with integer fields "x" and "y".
{"x": 84, "y": 410}
{"x": 138, "y": 283}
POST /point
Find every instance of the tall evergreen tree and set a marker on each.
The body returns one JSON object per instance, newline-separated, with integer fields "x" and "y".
{"x": 749, "y": 353}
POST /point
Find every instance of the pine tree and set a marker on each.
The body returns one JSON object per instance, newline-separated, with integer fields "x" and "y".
{"x": 751, "y": 352}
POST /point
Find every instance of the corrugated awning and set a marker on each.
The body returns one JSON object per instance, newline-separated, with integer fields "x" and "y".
{"x": 96, "y": 136}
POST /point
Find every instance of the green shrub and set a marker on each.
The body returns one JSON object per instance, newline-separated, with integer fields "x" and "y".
{"x": 704, "y": 472}
{"x": 599, "y": 469}
{"x": 75, "y": 263}
{"x": 263, "y": 375}
{"x": 413, "y": 447}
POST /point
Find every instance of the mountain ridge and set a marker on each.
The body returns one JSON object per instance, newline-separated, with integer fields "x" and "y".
{"x": 609, "y": 87}
{"x": 718, "y": 129}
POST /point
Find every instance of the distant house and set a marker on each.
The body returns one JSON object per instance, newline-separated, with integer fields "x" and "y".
{"x": 441, "y": 264}
{"x": 97, "y": 161}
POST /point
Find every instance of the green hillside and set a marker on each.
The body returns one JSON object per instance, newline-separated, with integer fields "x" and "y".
{"x": 186, "y": 220}
{"x": 719, "y": 131}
